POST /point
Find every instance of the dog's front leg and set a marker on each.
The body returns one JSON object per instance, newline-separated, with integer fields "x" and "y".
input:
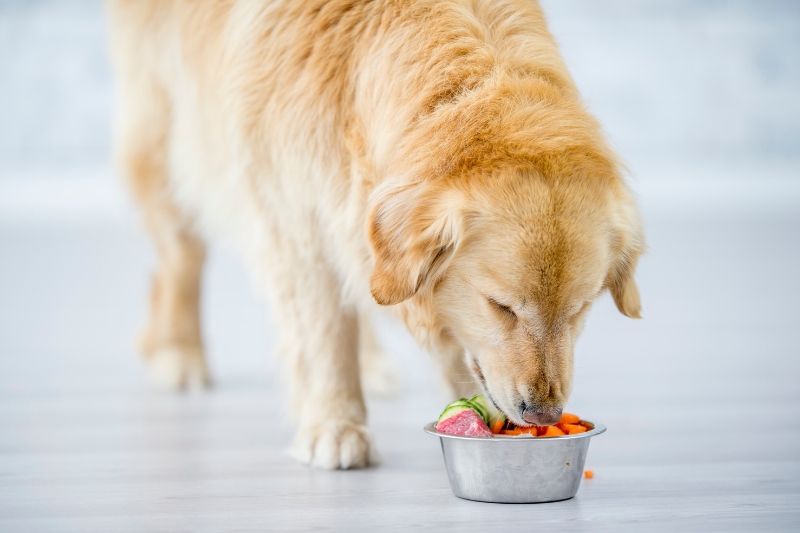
{"x": 320, "y": 342}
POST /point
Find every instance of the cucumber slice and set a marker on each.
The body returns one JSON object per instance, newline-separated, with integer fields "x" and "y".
{"x": 462, "y": 404}
{"x": 490, "y": 413}
{"x": 477, "y": 403}
{"x": 483, "y": 407}
{"x": 452, "y": 410}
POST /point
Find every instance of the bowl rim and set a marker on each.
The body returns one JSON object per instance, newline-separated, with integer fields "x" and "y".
{"x": 597, "y": 430}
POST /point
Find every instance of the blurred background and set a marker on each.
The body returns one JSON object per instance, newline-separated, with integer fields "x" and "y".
{"x": 700, "y": 97}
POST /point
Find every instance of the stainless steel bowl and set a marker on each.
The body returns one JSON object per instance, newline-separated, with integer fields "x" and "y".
{"x": 505, "y": 469}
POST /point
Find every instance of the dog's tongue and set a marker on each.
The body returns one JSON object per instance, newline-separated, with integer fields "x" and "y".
{"x": 466, "y": 423}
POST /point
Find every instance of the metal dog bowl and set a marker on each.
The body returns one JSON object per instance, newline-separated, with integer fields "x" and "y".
{"x": 505, "y": 469}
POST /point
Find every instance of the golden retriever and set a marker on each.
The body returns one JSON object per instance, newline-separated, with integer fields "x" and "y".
{"x": 432, "y": 156}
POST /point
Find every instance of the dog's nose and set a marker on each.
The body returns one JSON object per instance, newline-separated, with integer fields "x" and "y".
{"x": 540, "y": 416}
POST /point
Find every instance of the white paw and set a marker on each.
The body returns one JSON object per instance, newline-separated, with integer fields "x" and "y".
{"x": 173, "y": 368}
{"x": 335, "y": 445}
{"x": 380, "y": 375}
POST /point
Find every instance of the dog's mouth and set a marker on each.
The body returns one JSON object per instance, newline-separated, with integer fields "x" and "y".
{"x": 476, "y": 369}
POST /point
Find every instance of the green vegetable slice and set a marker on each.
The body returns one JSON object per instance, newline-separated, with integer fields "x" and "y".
{"x": 488, "y": 411}
{"x": 483, "y": 407}
{"x": 452, "y": 410}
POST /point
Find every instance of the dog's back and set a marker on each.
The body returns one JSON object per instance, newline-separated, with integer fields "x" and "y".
{"x": 310, "y": 96}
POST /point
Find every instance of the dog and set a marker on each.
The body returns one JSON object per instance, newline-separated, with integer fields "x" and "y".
{"x": 433, "y": 157}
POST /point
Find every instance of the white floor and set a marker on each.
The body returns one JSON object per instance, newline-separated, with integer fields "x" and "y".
{"x": 701, "y": 399}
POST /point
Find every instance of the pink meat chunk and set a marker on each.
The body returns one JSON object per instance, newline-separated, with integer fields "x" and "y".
{"x": 467, "y": 423}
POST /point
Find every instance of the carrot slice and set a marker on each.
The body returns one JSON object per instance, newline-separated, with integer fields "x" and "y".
{"x": 553, "y": 431}
{"x": 589, "y": 474}
{"x": 572, "y": 429}
{"x": 531, "y": 430}
{"x": 497, "y": 426}
{"x": 569, "y": 418}
{"x": 512, "y": 432}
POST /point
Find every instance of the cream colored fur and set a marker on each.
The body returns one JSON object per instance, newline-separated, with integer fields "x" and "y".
{"x": 431, "y": 156}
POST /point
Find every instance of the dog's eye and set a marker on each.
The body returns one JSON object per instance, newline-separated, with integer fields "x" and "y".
{"x": 506, "y": 310}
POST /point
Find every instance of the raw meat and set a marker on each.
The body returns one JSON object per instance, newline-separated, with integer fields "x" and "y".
{"x": 467, "y": 423}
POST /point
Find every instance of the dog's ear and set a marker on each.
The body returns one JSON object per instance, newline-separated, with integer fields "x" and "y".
{"x": 624, "y": 289}
{"x": 412, "y": 235}
{"x": 629, "y": 245}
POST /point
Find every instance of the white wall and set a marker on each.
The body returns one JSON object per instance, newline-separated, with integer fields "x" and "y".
{"x": 56, "y": 89}
{"x": 680, "y": 77}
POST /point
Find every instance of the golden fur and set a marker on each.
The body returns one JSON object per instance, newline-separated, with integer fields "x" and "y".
{"x": 433, "y": 156}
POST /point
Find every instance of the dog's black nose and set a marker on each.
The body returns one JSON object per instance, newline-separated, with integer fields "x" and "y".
{"x": 540, "y": 416}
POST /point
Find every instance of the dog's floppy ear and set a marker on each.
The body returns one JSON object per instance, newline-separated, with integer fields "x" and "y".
{"x": 412, "y": 235}
{"x": 624, "y": 289}
{"x": 629, "y": 245}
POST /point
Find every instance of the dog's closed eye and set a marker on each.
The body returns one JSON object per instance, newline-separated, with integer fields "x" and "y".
{"x": 502, "y": 308}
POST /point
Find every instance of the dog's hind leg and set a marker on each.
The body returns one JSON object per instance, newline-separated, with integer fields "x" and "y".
{"x": 171, "y": 342}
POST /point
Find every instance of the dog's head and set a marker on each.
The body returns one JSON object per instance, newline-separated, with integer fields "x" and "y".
{"x": 509, "y": 263}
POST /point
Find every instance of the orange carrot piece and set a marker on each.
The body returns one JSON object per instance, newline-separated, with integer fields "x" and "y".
{"x": 553, "y": 431}
{"x": 497, "y": 426}
{"x": 569, "y": 418}
{"x": 589, "y": 474}
{"x": 572, "y": 429}
{"x": 512, "y": 432}
{"x": 531, "y": 430}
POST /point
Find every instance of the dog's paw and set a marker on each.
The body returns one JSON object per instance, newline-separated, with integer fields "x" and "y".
{"x": 174, "y": 368}
{"x": 335, "y": 445}
{"x": 380, "y": 375}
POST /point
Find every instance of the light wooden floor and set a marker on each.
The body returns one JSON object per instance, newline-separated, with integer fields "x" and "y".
{"x": 702, "y": 401}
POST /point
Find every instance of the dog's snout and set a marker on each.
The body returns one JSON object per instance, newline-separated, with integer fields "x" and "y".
{"x": 540, "y": 415}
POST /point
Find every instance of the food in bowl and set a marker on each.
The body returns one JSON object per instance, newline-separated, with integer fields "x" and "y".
{"x": 509, "y": 467}
{"x": 478, "y": 417}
